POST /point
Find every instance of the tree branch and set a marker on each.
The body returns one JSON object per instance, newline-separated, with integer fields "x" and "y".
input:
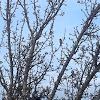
{"x": 85, "y": 27}
{"x": 8, "y": 19}
{"x": 86, "y": 83}
{"x": 2, "y": 81}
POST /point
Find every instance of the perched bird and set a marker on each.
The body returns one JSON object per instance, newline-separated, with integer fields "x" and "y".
{"x": 60, "y": 40}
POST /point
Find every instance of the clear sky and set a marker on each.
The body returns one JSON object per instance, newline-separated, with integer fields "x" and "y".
{"x": 72, "y": 18}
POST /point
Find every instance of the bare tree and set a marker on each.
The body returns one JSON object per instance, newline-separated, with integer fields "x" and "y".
{"x": 31, "y": 53}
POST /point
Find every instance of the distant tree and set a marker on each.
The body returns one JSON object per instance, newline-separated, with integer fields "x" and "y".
{"x": 31, "y": 56}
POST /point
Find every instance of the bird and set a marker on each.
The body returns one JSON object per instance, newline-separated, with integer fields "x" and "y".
{"x": 60, "y": 40}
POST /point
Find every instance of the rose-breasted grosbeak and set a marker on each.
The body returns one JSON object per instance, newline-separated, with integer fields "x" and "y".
{"x": 60, "y": 40}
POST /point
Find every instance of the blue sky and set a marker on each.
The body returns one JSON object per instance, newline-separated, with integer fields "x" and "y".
{"x": 72, "y": 18}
